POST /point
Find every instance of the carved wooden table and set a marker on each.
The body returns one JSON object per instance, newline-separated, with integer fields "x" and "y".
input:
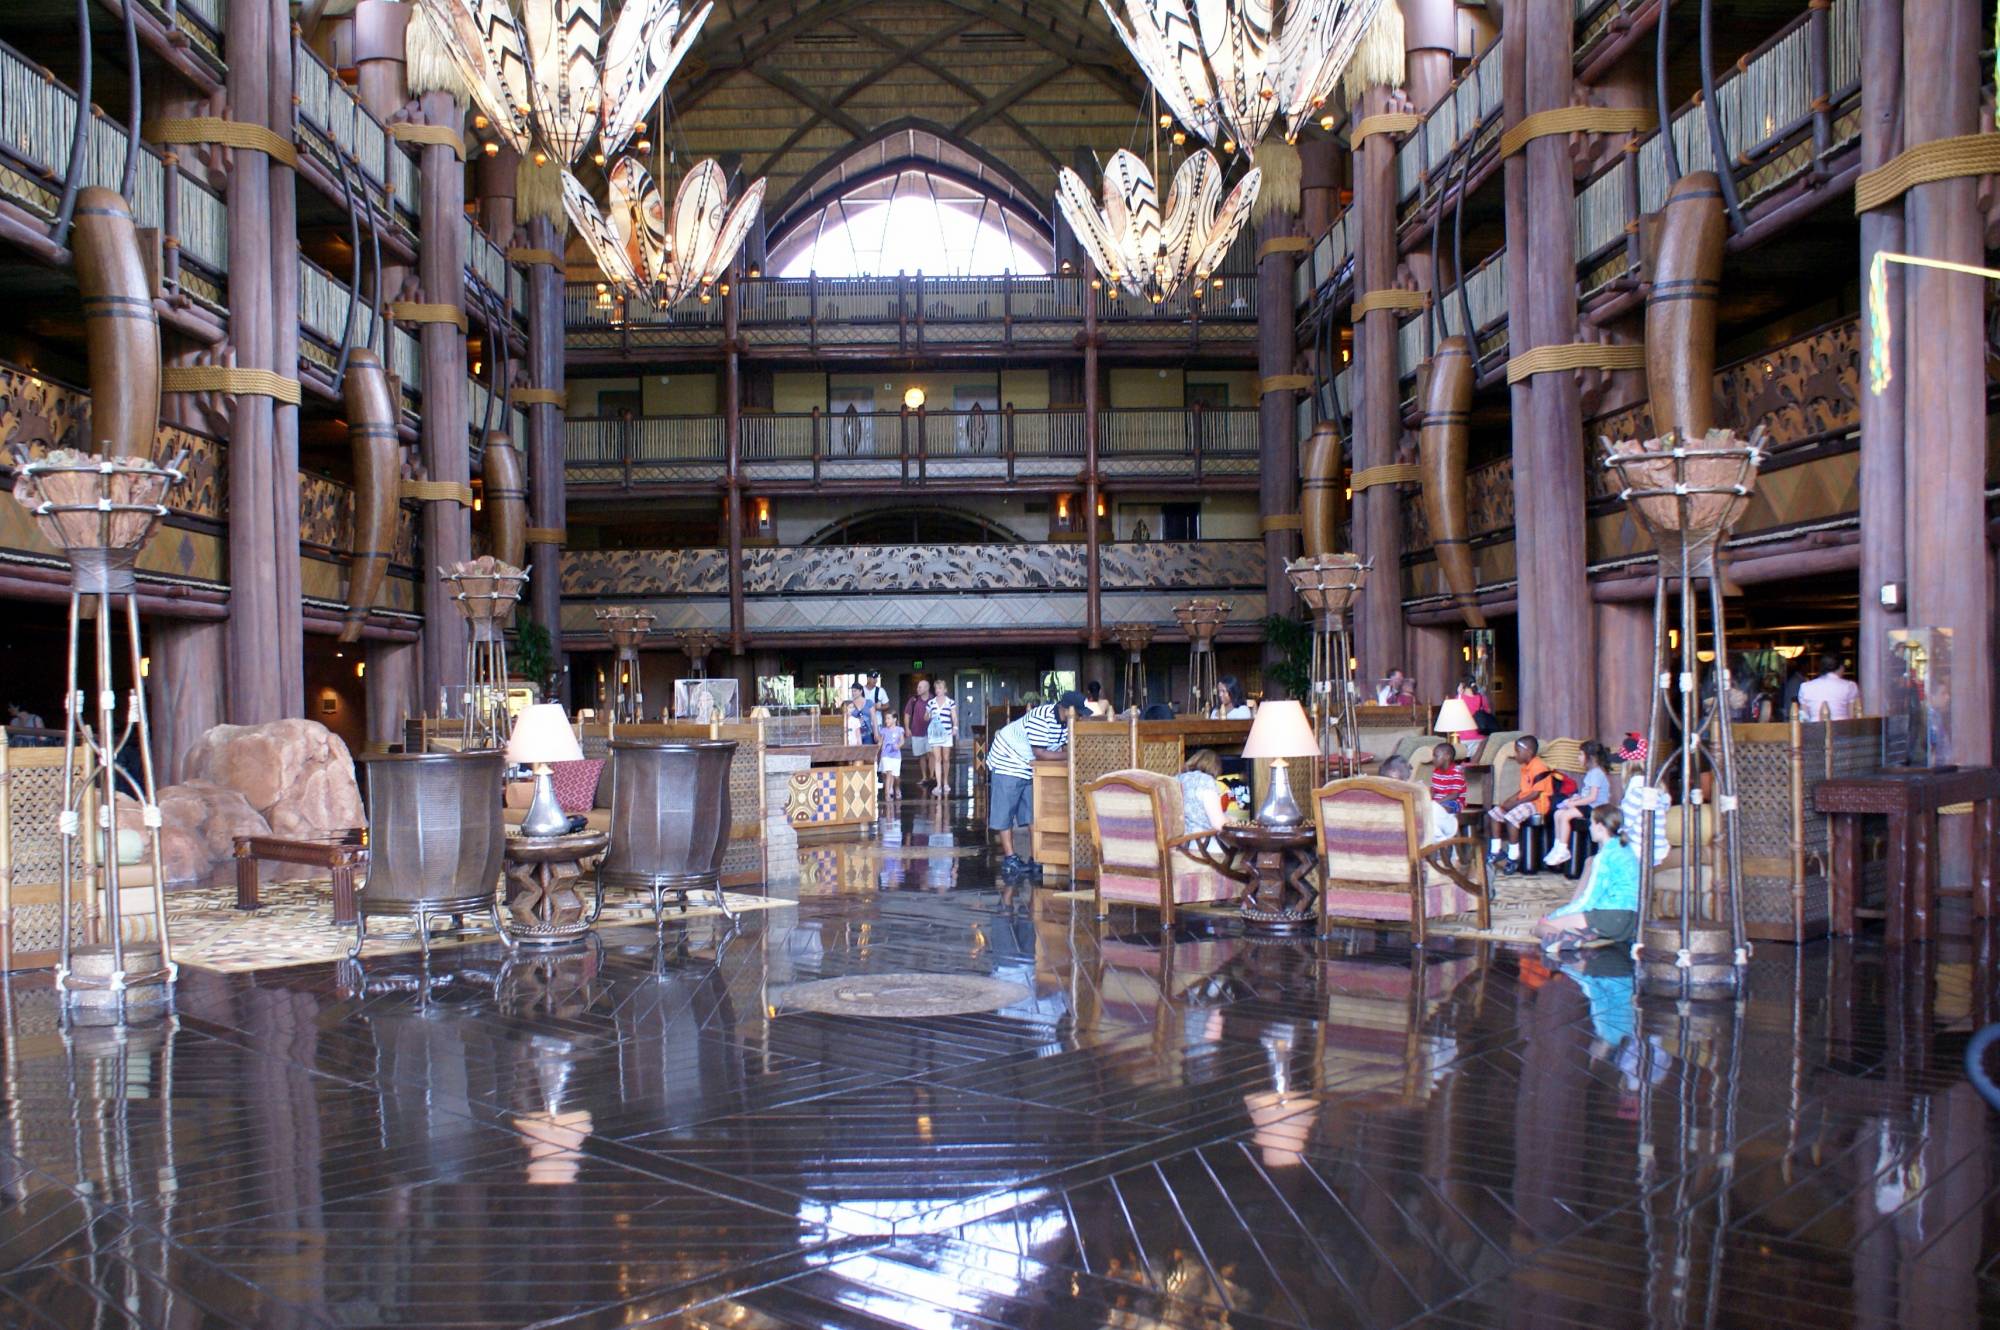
{"x": 1281, "y": 897}
{"x": 1910, "y": 800}
{"x": 543, "y": 906}
{"x": 341, "y": 853}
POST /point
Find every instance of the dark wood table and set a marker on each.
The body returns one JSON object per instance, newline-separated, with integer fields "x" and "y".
{"x": 341, "y": 853}
{"x": 543, "y": 906}
{"x": 1282, "y": 896}
{"x": 1910, "y": 800}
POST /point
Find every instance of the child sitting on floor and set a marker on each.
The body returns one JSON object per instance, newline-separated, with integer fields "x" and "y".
{"x": 1447, "y": 779}
{"x": 1607, "y": 909}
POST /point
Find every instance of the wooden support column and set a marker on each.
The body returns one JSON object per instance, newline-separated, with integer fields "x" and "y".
{"x": 547, "y": 500}
{"x": 288, "y": 631}
{"x": 1093, "y": 589}
{"x": 495, "y": 178}
{"x": 1430, "y": 35}
{"x": 391, "y": 690}
{"x": 184, "y": 687}
{"x": 1882, "y": 417}
{"x": 732, "y": 439}
{"x": 446, "y": 527}
{"x": 256, "y": 667}
{"x": 1624, "y": 668}
{"x": 1555, "y": 617}
{"x": 1277, "y": 420}
{"x": 1319, "y": 185}
{"x": 1944, "y": 366}
{"x": 1377, "y": 511}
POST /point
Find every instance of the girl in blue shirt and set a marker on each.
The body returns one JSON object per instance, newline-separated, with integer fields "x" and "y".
{"x": 1607, "y": 909}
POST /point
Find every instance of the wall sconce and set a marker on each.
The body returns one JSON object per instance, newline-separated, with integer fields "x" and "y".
{"x": 913, "y": 398}
{"x": 145, "y": 667}
{"x": 1062, "y": 508}
{"x": 361, "y": 669}
{"x": 1100, "y": 505}
{"x": 761, "y": 514}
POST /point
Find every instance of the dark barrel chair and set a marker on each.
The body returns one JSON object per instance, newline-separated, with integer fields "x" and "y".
{"x": 436, "y": 842}
{"x": 669, "y": 819}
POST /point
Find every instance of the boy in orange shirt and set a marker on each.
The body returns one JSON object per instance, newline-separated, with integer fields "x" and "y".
{"x": 1511, "y": 814}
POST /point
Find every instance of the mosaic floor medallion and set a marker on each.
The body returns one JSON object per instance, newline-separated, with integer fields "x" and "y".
{"x": 905, "y": 995}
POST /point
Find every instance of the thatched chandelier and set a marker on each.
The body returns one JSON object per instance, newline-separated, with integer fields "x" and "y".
{"x": 1227, "y": 68}
{"x": 1129, "y": 242}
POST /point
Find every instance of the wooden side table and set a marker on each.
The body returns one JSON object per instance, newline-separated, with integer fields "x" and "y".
{"x": 543, "y": 907}
{"x": 342, "y": 854}
{"x": 1910, "y": 800}
{"x": 1281, "y": 897}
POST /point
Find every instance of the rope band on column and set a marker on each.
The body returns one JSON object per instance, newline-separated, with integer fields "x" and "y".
{"x": 229, "y": 379}
{"x": 1280, "y": 522}
{"x": 1940, "y": 159}
{"x": 1280, "y": 383}
{"x": 547, "y": 535}
{"x": 545, "y": 257}
{"x": 229, "y": 133}
{"x": 1388, "y": 122}
{"x": 1283, "y": 245}
{"x": 540, "y": 397}
{"x": 412, "y": 311}
{"x": 438, "y": 491}
{"x": 1388, "y": 297}
{"x": 433, "y": 136}
{"x": 1576, "y": 120}
{"x": 1394, "y": 473}
{"x": 1562, "y": 356}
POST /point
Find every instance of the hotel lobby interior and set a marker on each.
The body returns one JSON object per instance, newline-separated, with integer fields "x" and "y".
{"x": 697, "y": 665}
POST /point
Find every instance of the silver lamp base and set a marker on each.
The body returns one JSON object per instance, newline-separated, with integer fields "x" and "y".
{"x": 1279, "y": 809}
{"x": 545, "y": 815}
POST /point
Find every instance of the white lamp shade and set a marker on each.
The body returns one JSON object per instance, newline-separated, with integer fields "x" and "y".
{"x": 1454, "y": 717}
{"x": 1281, "y": 729}
{"x": 542, "y": 734}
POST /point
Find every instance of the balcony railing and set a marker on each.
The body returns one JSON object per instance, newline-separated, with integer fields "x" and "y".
{"x": 1767, "y": 103}
{"x": 486, "y": 263}
{"x": 323, "y": 308}
{"x": 1471, "y": 107}
{"x": 513, "y": 423}
{"x": 330, "y": 107}
{"x": 1485, "y": 292}
{"x": 1324, "y": 263}
{"x": 918, "y": 446}
{"x": 37, "y": 121}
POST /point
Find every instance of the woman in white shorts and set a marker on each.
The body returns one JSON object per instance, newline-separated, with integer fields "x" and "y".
{"x": 938, "y": 738}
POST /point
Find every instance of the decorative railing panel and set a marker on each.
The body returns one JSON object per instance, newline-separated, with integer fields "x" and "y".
{"x": 40, "y": 414}
{"x": 329, "y": 106}
{"x": 323, "y": 307}
{"x": 1472, "y": 106}
{"x": 326, "y": 521}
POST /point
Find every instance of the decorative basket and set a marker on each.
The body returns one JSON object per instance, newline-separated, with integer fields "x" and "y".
{"x": 99, "y": 510}
{"x": 1329, "y": 583}
{"x": 1133, "y": 637}
{"x": 626, "y": 627}
{"x": 486, "y": 590}
{"x": 1698, "y": 490}
{"x": 696, "y": 643}
{"x": 1201, "y": 618}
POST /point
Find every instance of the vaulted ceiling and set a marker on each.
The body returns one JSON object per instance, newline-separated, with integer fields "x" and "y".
{"x": 805, "y": 91}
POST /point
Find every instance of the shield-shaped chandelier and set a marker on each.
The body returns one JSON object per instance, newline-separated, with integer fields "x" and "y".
{"x": 1227, "y": 68}
{"x": 1133, "y": 246}
{"x": 548, "y": 79}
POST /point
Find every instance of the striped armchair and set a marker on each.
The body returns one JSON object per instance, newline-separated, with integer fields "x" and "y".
{"x": 1135, "y": 825}
{"x": 1374, "y": 867}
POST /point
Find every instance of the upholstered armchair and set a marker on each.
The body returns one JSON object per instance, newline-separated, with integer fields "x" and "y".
{"x": 1375, "y": 867}
{"x": 1142, "y": 854}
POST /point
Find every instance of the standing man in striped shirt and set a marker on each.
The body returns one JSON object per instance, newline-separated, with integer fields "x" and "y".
{"x": 1010, "y": 763}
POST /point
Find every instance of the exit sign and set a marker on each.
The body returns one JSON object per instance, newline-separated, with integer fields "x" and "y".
{"x": 916, "y": 664}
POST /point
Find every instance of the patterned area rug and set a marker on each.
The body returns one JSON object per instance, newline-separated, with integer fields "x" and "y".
{"x": 296, "y": 926}
{"x": 909, "y": 996}
{"x": 1517, "y": 903}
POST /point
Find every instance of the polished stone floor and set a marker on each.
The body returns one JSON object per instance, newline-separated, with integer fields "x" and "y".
{"x": 1193, "y": 1131}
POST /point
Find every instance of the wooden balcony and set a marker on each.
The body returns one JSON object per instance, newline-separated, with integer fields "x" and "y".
{"x": 1039, "y": 449}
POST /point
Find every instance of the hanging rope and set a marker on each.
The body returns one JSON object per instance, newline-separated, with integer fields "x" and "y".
{"x": 1724, "y": 171}
{"x": 133, "y": 111}
{"x": 354, "y": 268}
{"x": 1660, "y": 94}
{"x": 79, "y": 139}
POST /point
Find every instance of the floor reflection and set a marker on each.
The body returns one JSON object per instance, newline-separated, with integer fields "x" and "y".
{"x": 1190, "y": 1130}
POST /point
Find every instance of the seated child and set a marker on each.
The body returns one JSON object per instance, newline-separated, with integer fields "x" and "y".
{"x": 1607, "y": 909}
{"x": 1447, "y": 779}
{"x": 1595, "y": 793}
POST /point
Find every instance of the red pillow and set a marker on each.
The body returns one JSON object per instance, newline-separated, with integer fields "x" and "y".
{"x": 576, "y": 783}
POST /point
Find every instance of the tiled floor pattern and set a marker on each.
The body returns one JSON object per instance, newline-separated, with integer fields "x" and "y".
{"x": 1195, "y": 1131}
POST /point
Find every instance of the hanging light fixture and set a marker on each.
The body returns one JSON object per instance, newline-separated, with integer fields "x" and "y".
{"x": 1227, "y": 68}
{"x": 666, "y": 260}
{"x": 1133, "y": 246}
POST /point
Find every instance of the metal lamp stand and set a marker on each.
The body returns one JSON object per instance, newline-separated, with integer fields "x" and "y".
{"x": 101, "y": 511}
{"x": 1201, "y": 619}
{"x": 1688, "y": 498}
{"x": 1134, "y": 638}
{"x": 696, "y": 643}
{"x": 626, "y": 628}
{"x": 1329, "y": 585}
{"x": 486, "y": 591}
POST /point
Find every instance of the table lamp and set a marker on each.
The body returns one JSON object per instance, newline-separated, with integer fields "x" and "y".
{"x": 1280, "y": 730}
{"x": 542, "y": 735}
{"x": 1454, "y": 718}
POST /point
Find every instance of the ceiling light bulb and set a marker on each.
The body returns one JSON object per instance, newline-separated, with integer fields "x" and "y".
{"x": 490, "y": 148}
{"x": 597, "y": 157}
{"x": 1326, "y": 122}
{"x": 479, "y": 122}
{"x": 541, "y": 159}
{"x": 1229, "y": 145}
{"x": 1179, "y": 138}
{"x": 645, "y": 145}
{"x": 1166, "y": 121}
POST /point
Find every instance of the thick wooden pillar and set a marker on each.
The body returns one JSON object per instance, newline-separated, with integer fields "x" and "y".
{"x": 1944, "y": 365}
{"x": 1277, "y": 417}
{"x": 547, "y": 502}
{"x": 1319, "y": 185}
{"x": 1882, "y": 417}
{"x": 184, "y": 687}
{"x": 1093, "y": 589}
{"x": 447, "y": 527}
{"x": 1377, "y": 511}
{"x": 256, "y": 667}
{"x": 1430, "y": 35}
{"x": 495, "y": 178}
{"x": 732, "y": 439}
{"x": 391, "y": 690}
{"x": 288, "y": 632}
{"x": 1555, "y": 615}
{"x": 1624, "y": 668}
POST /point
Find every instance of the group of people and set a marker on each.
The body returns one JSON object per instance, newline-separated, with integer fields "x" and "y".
{"x": 926, "y": 728}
